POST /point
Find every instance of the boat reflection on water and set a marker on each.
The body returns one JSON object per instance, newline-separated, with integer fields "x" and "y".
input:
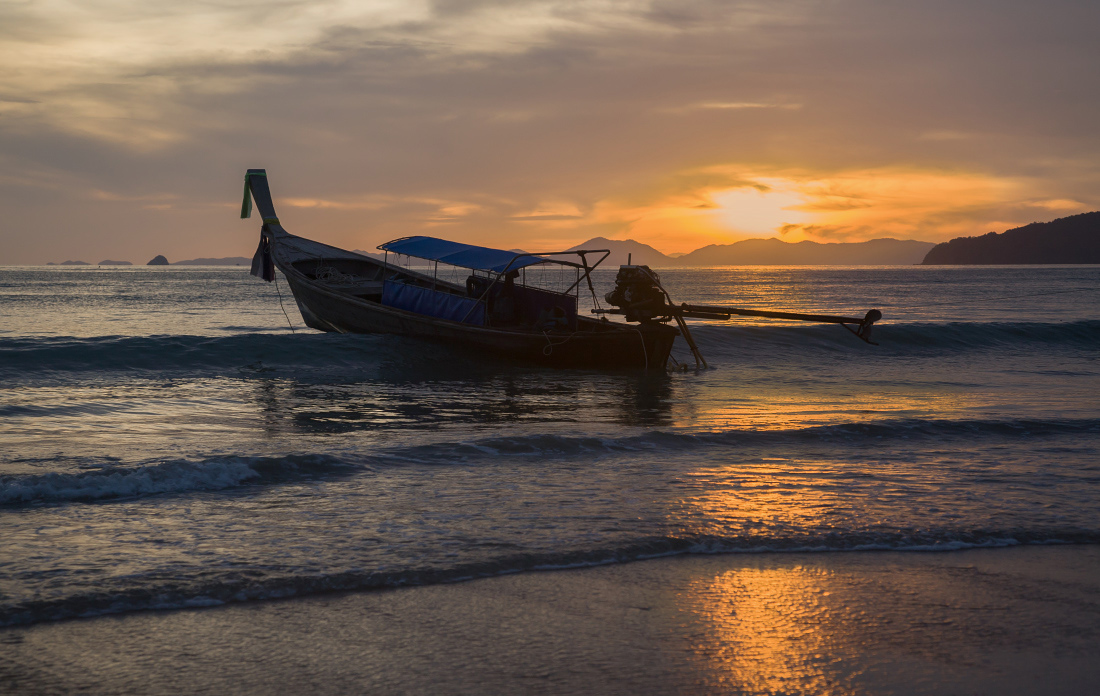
{"x": 287, "y": 405}
{"x": 378, "y": 382}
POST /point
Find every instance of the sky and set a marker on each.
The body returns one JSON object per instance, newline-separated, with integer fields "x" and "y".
{"x": 126, "y": 128}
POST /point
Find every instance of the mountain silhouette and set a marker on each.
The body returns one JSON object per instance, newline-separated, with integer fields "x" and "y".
{"x": 622, "y": 249}
{"x": 768, "y": 252}
{"x": 776, "y": 252}
{"x": 1074, "y": 239}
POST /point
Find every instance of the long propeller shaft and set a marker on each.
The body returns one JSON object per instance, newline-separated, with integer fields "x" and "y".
{"x": 689, "y": 310}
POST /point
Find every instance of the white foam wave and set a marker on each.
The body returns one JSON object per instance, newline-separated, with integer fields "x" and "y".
{"x": 284, "y": 587}
{"x": 168, "y": 477}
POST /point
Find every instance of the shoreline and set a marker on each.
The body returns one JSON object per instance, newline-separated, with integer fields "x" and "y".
{"x": 1013, "y": 620}
{"x": 338, "y": 584}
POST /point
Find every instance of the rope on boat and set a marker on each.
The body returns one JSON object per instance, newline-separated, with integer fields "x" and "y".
{"x": 549, "y": 349}
{"x": 334, "y": 276}
{"x": 645, "y": 353}
{"x": 281, "y": 303}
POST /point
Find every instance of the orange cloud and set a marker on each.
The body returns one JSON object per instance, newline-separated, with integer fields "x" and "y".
{"x": 724, "y": 204}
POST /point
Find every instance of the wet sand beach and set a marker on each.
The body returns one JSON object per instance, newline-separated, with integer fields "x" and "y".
{"x": 1022, "y": 620}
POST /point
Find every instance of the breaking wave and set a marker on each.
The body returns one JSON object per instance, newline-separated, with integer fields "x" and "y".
{"x": 260, "y": 352}
{"x": 114, "y": 482}
{"x": 911, "y": 338}
{"x": 875, "y": 433}
{"x": 244, "y": 586}
{"x": 241, "y": 352}
{"x": 166, "y": 477}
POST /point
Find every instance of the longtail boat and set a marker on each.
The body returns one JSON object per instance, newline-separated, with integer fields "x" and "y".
{"x": 494, "y": 310}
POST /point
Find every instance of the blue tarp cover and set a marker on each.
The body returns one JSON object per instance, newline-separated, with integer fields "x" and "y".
{"x": 433, "y": 303}
{"x": 463, "y": 255}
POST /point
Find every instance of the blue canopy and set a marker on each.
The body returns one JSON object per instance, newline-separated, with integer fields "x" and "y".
{"x": 463, "y": 255}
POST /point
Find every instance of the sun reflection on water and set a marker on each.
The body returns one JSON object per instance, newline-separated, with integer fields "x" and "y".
{"x": 772, "y": 502}
{"x": 760, "y": 400}
{"x": 771, "y": 630}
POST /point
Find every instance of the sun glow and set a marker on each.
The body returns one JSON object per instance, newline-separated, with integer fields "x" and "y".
{"x": 763, "y": 209}
{"x": 727, "y": 204}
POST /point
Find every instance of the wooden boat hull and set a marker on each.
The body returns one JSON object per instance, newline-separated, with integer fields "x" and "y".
{"x": 596, "y": 344}
{"x": 345, "y": 291}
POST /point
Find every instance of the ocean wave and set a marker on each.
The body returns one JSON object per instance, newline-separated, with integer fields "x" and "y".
{"x": 875, "y": 433}
{"x": 245, "y": 585}
{"x": 113, "y": 482}
{"x": 220, "y": 473}
{"x": 257, "y": 353}
{"x": 243, "y": 353}
{"x": 904, "y": 338}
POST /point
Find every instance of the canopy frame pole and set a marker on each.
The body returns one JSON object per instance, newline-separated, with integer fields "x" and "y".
{"x": 588, "y": 270}
{"x": 485, "y": 294}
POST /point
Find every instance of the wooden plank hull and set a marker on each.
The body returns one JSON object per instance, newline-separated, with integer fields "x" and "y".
{"x": 340, "y": 290}
{"x": 598, "y": 345}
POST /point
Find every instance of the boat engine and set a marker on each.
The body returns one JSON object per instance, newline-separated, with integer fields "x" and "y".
{"x": 639, "y": 295}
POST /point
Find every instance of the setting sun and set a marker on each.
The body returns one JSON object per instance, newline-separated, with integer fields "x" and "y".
{"x": 724, "y": 204}
{"x": 762, "y": 210}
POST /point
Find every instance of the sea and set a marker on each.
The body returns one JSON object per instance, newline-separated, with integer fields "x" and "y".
{"x": 175, "y": 437}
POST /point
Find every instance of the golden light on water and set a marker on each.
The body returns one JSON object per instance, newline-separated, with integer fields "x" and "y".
{"x": 794, "y": 407}
{"x": 767, "y": 626}
{"x": 769, "y": 630}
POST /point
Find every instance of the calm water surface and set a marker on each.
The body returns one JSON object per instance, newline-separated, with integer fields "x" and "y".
{"x": 166, "y": 439}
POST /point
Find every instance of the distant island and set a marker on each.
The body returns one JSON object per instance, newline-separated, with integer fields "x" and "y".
{"x": 223, "y": 261}
{"x": 161, "y": 260}
{"x": 749, "y": 252}
{"x": 769, "y": 252}
{"x": 1074, "y": 239}
{"x": 204, "y": 261}
{"x": 776, "y": 252}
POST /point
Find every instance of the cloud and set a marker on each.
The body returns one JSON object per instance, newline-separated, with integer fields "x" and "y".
{"x": 396, "y": 118}
{"x": 726, "y": 204}
{"x": 948, "y": 135}
{"x": 1058, "y": 204}
{"x": 730, "y": 106}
